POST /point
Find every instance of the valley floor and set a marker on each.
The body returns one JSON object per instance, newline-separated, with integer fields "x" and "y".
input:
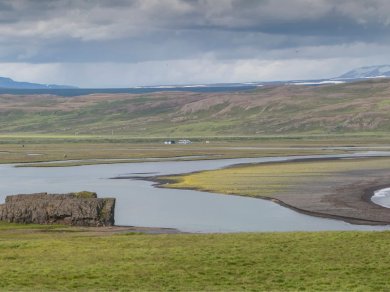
{"x": 66, "y": 258}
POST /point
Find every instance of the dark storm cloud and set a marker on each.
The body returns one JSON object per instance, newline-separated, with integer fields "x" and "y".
{"x": 248, "y": 37}
{"x": 150, "y": 29}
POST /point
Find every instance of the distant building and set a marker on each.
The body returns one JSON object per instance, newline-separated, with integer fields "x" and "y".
{"x": 184, "y": 142}
{"x": 169, "y": 142}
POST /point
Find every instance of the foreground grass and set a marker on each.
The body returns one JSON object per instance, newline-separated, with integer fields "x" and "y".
{"x": 57, "y": 260}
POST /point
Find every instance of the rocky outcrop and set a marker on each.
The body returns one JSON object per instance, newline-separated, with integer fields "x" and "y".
{"x": 80, "y": 209}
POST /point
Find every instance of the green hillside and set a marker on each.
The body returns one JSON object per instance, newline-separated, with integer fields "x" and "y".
{"x": 359, "y": 107}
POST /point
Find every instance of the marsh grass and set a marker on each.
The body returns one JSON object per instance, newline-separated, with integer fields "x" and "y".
{"x": 266, "y": 180}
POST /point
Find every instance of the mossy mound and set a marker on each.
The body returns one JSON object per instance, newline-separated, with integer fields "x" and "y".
{"x": 85, "y": 195}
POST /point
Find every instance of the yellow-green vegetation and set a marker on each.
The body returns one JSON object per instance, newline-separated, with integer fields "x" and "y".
{"x": 263, "y": 180}
{"x": 57, "y": 260}
{"x": 85, "y": 195}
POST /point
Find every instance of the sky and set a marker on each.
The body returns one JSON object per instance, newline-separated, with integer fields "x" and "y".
{"x": 124, "y": 43}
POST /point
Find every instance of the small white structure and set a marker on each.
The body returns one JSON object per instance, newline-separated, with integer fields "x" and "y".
{"x": 169, "y": 142}
{"x": 184, "y": 142}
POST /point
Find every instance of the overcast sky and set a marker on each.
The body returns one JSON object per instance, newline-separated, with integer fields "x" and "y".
{"x": 121, "y": 43}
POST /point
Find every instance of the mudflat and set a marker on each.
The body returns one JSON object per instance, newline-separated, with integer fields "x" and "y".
{"x": 348, "y": 199}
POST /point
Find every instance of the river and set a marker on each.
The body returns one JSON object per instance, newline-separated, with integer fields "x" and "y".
{"x": 141, "y": 204}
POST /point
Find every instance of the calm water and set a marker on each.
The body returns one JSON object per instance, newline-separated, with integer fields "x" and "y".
{"x": 382, "y": 197}
{"x": 140, "y": 204}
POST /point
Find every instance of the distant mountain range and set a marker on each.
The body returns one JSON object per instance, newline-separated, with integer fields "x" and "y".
{"x": 367, "y": 72}
{"x": 380, "y": 71}
{"x": 11, "y": 84}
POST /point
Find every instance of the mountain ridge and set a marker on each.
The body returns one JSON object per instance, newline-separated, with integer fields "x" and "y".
{"x": 375, "y": 71}
{"x": 8, "y": 83}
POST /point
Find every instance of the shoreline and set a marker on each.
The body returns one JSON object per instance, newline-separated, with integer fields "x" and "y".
{"x": 352, "y": 220}
{"x": 370, "y": 192}
{"x": 358, "y": 195}
{"x": 373, "y": 191}
{"x": 121, "y": 229}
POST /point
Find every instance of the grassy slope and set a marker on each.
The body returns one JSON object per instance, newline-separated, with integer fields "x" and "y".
{"x": 347, "y": 108}
{"x": 59, "y": 260}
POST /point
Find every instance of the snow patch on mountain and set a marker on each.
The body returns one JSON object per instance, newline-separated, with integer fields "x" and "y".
{"x": 367, "y": 72}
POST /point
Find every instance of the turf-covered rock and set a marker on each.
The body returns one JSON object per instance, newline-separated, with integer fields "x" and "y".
{"x": 69, "y": 209}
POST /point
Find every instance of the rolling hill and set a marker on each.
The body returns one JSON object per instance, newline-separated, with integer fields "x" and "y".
{"x": 284, "y": 109}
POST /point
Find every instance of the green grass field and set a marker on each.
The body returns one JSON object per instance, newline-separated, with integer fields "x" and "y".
{"x": 57, "y": 259}
{"x": 18, "y": 148}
